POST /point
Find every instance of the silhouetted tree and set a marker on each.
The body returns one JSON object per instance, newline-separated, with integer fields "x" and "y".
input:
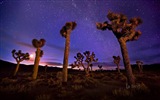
{"x": 19, "y": 57}
{"x": 45, "y": 68}
{"x": 124, "y": 31}
{"x": 140, "y": 66}
{"x": 91, "y": 66}
{"x": 87, "y": 57}
{"x": 100, "y": 67}
{"x": 65, "y": 32}
{"x": 39, "y": 53}
{"x": 117, "y": 61}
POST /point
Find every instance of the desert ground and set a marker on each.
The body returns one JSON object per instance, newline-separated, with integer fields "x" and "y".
{"x": 100, "y": 85}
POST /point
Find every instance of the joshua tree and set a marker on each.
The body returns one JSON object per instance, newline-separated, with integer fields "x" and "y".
{"x": 124, "y": 31}
{"x": 117, "y": 61}
{"x": 100, "y": 67}
{"x": 45, "y": 68}
{"x": 19, "y": 56}
{"x": 65, "y": 32}
{"x": 39, "y": 53}
{"x": 140, "y": 66}
{"x": 91, "y": 65}
{"x": 80, "y": 61}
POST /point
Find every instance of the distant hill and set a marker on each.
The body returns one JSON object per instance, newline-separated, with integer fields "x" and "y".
{"x": 151, "y": 67}
{"x": 10, "y": 67}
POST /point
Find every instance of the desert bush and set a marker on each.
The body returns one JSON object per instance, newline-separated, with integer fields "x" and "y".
{"x": 98, "y": 75}
{"x": 90, "y": 82}
{"x": 105, "y": 79}
{"x": 104, "y": 98}
{"x": 59, "y": 76}
{"x": 54, "y": 82}
{"x": 77, "y": 87}
{"x": 44, "y": 97}
{"x": 69, "y": 76}
{"x": 37, "y": 82}
{"x": 7, "y": 81}
{"x": 137, "y": 89}
{"x": 64, "y": 92}
{"x": 140, "y": 88}
{"x": 77, "y": 80}
{"x": 122, "y": 92}
{"x": 14, "y": 89}
{"x": 26, "y": 74}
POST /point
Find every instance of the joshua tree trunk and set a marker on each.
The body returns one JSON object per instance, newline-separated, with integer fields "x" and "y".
{"x": 16, "y": 70}
{"x": 86, "y": 72}
{"x": 45, "y": 70}
{"x": 118, "y": 68}
{"x": 36, "y": 64}
{"x": 91, "y": 69}
{"x": 126, "y": 61}
{"x": 140, "y": 68}
{"x": 65, "y": 60}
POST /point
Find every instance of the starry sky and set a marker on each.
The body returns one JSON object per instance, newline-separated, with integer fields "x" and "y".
{"x": 23, "y": 20}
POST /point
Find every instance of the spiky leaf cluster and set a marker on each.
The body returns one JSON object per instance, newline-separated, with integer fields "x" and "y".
{"x": 73, "y": 65}
{"x": 68, "y": 26}
{"x": 79, "y": 60}
{"x": 100, "y": 66}
{"x": 79, "y": 57}
{"x": 139, "y": 62}
{"x": 121, "y": 26}
{"x": 116, "y": 59}
{"x": 38, "y": 43}
{"x": 19, "y": 56}
{"x": 90, "y": 57}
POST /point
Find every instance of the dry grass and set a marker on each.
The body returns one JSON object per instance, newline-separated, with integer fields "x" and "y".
{"x": 100, "y": 86}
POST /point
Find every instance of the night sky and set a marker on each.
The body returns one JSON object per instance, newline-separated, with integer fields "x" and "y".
{"x": 23, "y": 20}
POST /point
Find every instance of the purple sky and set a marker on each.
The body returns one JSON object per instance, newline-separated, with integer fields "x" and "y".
{"x": 23, "y": 20}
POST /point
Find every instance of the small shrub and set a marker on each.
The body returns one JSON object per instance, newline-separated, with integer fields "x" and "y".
{"x": 105, "y": 79}
{"x": 137, "y": 89}
{"x": 54, "y": 82}
{"x": 59, "y": 76}
{"x": 7, "y": 81}
{"x": 69, "y": 76}
{"x": 98, "y": 75}
{"x": 122, "y": 92}
{"x": 140, "y": 88}
{"x": 90, "y": 82}
{"x": 14, "y": 89}
{"x": 63, "y": 92}
{"x": 44, "y": 97}
{"x": 77, "y": 81}
{"x": 77, "y": 87}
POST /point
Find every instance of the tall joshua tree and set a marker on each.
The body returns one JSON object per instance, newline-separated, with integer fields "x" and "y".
{"x": 65, "y": 32}
{"x": 19, "y": 57}
{"x": 39, "y": 53}
{"x": 80, "y": 61}
{"x": 140, "y": 66}
{"x": 117, "y": 61}
{"x": 124, "y": 31}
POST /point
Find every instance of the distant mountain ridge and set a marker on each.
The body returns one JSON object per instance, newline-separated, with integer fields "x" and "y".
{"x": 10, "y": 67}
{"x": 5, "y": 65}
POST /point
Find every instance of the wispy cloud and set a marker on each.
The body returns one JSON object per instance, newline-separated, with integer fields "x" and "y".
{"x": 61, "y": 48}
{"x": 52, "y": 63}
{"x": 24, "y": 44}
